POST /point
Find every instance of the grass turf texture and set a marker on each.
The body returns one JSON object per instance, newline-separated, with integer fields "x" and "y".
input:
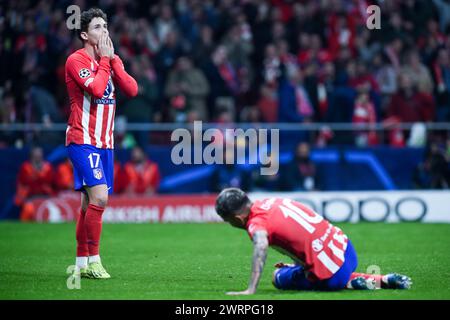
{"x": 203, "y": 261}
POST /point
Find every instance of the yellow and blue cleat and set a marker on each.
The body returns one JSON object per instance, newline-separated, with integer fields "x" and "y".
{"x": 80, "y": 273}
{"x": 95, "y": 270}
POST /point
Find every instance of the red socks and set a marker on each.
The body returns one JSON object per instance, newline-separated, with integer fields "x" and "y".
{"x": 81, "y": 235}
{"x": 93, "y": 227}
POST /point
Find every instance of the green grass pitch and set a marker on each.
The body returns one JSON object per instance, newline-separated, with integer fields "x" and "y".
{"x": 203, "y": 261}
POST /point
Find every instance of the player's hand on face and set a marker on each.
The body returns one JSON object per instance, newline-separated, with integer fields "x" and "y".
{"x": 104, "y": 49}
{"x": 111, "y": 46}
{"x": 100, "y": 46}
{"x": 240, "y": 293}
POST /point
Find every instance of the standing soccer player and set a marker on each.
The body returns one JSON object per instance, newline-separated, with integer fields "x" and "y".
{"x": 92, "y": 74}
{"x": 324, "y": 257}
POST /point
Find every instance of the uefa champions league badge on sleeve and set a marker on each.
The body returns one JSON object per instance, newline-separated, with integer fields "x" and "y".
{"x": 84, "y": 73}
{"x": 97, "y": 173}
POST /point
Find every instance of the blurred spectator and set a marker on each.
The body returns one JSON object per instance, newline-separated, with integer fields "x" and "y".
{"x": 433, "y": 173}
{"x": 120, "y": 178}
{"x": 286, "y": 57}
{"x": 204, "y": 47}
{"x": 342, "y": 33}
{"x": 268, "y": 104}
{"x": 122, "y": 138}
{"x": 364, "y": 114}
{"x": 238, "y": 43}
{"x": 271, "y": 182}
{"x": 366, "y": 50}
{"x": 393, "y": 51}
{"x": 386, "y": 76}
{"x": 167, "y": 55}
{"x": 187, "y": 89}
{"x": 359, "y": 76}
{"x": 35, "y": 177}
{"x": 443, "y": 8}
{"x": 272, "y": 64}
{"x": 8, "y": 116}
{"x": 293, "y": 100}
{"x": 143, "y": 174}
{"x": 409, "y": 105}
{"x": 312, "y": 50}
{"x": 320, "y": 87}
{"x": 251, "y": 114}
{"x": 418, "y": 73}
{"x": 395, "y": 136}
{"x": 441, "y": 70}
{"x": 223, "y": 80}
{"x": 447, "y": 151}
{"x": 229, "y": 175}
{"x": 165, "y": 23}
{"x": 64, "y": 176}
{"x": 141, "y": 108}
{"x": 301, "y": 173}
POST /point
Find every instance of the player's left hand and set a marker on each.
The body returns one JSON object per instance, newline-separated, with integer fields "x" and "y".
{"x": 111, "y": 45}
{"x": 239, "y": 293}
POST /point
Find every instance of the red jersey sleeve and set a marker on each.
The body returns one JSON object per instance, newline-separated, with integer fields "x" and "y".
{"x": 257, "y": 222}
{"x": 126, "y": 82}
{"x": 79, "y": 70}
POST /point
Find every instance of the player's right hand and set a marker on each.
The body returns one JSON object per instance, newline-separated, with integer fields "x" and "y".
{"x": 104, "y": 49}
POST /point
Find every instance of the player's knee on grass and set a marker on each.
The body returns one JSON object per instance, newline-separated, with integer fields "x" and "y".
{"x": 283, "y": 278}
{"x": 274, "y": 274}
{"x": 291, "y": 278}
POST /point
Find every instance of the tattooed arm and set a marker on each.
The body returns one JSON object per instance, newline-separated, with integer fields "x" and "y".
{"x": 260, "y": 245}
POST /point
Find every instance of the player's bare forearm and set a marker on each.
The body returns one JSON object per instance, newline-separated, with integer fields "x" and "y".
{"x": 260, "y": 245}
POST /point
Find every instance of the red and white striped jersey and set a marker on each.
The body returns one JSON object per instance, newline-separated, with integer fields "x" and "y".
{"x": 299, "y": 232}
{"x": 91, "y": 88}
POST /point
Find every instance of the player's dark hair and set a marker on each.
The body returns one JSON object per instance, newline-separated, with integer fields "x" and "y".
{"x": 87, "y": 16}
{"x": 230, "y": 202}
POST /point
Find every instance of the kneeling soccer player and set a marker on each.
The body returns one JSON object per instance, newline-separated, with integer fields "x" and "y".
{"x": 324, "y": 257}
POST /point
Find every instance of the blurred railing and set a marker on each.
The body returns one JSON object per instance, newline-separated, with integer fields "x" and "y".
{"x": 332, "y": 133}
{"x": 313, "y": 126}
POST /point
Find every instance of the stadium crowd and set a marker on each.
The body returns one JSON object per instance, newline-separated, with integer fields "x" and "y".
{"x": 138, "y": 176}
{"x": 242, "y": 61}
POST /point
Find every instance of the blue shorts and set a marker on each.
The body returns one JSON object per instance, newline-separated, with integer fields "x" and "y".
{"x": 294, "y": 278}
{"x": 91, "y": 166}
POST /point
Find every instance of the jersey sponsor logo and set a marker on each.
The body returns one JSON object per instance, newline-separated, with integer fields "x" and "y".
{"x": 105, "y": 101}
{"x": 84, "y": 73}
{"x": 97, "y": 173}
